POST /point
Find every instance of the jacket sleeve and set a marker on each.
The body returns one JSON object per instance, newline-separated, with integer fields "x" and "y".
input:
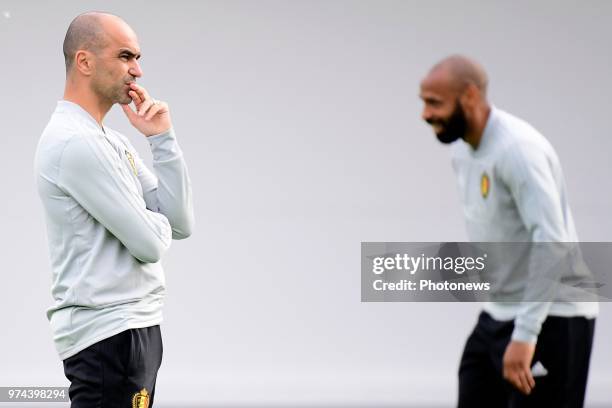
{"x": 168, "y": 190}
{"x": 529, "y": 173}
{"x": 91, "y": 172}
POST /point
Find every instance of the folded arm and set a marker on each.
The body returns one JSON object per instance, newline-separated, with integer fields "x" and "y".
{"x": 168, "y": 191}
{"x": 90, "y": 172}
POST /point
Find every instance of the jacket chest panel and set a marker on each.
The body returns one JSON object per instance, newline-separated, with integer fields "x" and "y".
{"x": 126, "y": 161}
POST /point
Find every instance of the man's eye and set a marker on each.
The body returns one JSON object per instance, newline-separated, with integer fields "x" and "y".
{"x": 124, "y": 57}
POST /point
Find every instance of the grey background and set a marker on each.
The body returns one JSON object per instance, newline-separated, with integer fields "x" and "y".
{"x": 300, "y": 125}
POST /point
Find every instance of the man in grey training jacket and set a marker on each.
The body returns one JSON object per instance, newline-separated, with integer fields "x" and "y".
{"x": 520, "y": 354}
{"x": 109, "y": 218}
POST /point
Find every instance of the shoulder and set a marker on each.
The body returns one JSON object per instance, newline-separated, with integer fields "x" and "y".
{"x": 526, "y": 159}
{"x": 67, "y": 127}
{"x": 61, "y": 127}
{"x": 85, "y": 147}
{"x": 61, "y": 130}
{"x": 521, "y": 143}
{"x": 519, "y": 136}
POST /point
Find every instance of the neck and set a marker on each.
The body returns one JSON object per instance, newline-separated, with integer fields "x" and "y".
{"x": 86, "y": 99}
{"x": 477, "y": 126}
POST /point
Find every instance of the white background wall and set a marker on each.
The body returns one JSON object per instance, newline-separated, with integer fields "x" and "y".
{"x": 300, "y": 125}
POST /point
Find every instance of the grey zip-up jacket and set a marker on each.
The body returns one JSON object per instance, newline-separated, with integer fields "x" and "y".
{"x": 109, "y": 220}
{"x": 512, "y": 189}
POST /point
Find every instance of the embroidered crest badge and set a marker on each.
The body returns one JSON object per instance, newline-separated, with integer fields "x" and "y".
{"x": 132, "y": 162}
{"x": 141, "y": 399}
{"x": 485, "y": 185}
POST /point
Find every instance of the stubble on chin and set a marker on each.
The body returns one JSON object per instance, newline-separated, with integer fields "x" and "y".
{"x": 121, "y": 96}
{"x": 124, "y": 100}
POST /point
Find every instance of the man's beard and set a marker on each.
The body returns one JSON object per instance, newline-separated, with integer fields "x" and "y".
{"x": 115, "y": 94}
{"x": 120, "y": 93}
{"x": 454, "y": 127}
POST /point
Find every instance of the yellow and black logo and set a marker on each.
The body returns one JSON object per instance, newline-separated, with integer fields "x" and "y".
{"x": 141, "y": 399}
{"x": 485, "y": 185}
{"x": 132, "y": 162}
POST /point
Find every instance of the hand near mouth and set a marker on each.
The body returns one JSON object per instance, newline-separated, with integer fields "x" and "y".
{"x": 151, "y": 117}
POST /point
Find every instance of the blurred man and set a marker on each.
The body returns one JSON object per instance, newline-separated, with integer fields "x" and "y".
{"x": 109, "y": 218}
{"x": 512, "y": 190}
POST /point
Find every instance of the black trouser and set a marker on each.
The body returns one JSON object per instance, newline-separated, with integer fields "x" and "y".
{"x": 117, "y": 372}
{"x": 563, "y": 349}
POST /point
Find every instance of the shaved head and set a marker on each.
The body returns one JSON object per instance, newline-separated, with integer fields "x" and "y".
{"x": 86, "y": 32}
{"x": 462, "y": 71}
{"x": 101, "y": 53}
{"x": 454, "y": 93}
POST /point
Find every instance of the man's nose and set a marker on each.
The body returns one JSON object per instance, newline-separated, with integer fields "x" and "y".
{"x": 135, "y": 70}
{"x": 426, "y": 115}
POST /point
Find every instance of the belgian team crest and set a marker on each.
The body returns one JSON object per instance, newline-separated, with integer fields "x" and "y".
{"x": 141, "y": 399}
{"x": 485, "y": 185}
{"x": 132, "y": 163}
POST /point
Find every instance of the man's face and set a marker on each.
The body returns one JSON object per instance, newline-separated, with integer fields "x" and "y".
{"x": 117, "y": 65}
{"x": 442, "y": 109}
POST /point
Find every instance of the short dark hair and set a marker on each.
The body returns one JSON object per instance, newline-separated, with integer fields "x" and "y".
{"x": 84, "y": 33}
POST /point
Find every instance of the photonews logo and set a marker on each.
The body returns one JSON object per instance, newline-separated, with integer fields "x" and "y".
{"x": 413, "y": 264}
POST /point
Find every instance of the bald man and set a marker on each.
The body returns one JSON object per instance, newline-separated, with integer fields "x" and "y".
{"x": 109, "y": 218}
{"x": 520, "y": 354}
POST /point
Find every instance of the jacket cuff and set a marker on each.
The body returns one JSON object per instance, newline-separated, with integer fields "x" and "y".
{"x": 525, "y": 334}
{"x": 164, "y": 146}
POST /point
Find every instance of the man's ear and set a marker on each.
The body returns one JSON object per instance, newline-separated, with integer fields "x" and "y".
{"x": 84, "y": 63}
{"x": 470, "y": 95}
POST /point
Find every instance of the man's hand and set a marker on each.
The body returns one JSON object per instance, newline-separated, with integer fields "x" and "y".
{"x": 517, "y": 362}
{"x": 152, "y": 117}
